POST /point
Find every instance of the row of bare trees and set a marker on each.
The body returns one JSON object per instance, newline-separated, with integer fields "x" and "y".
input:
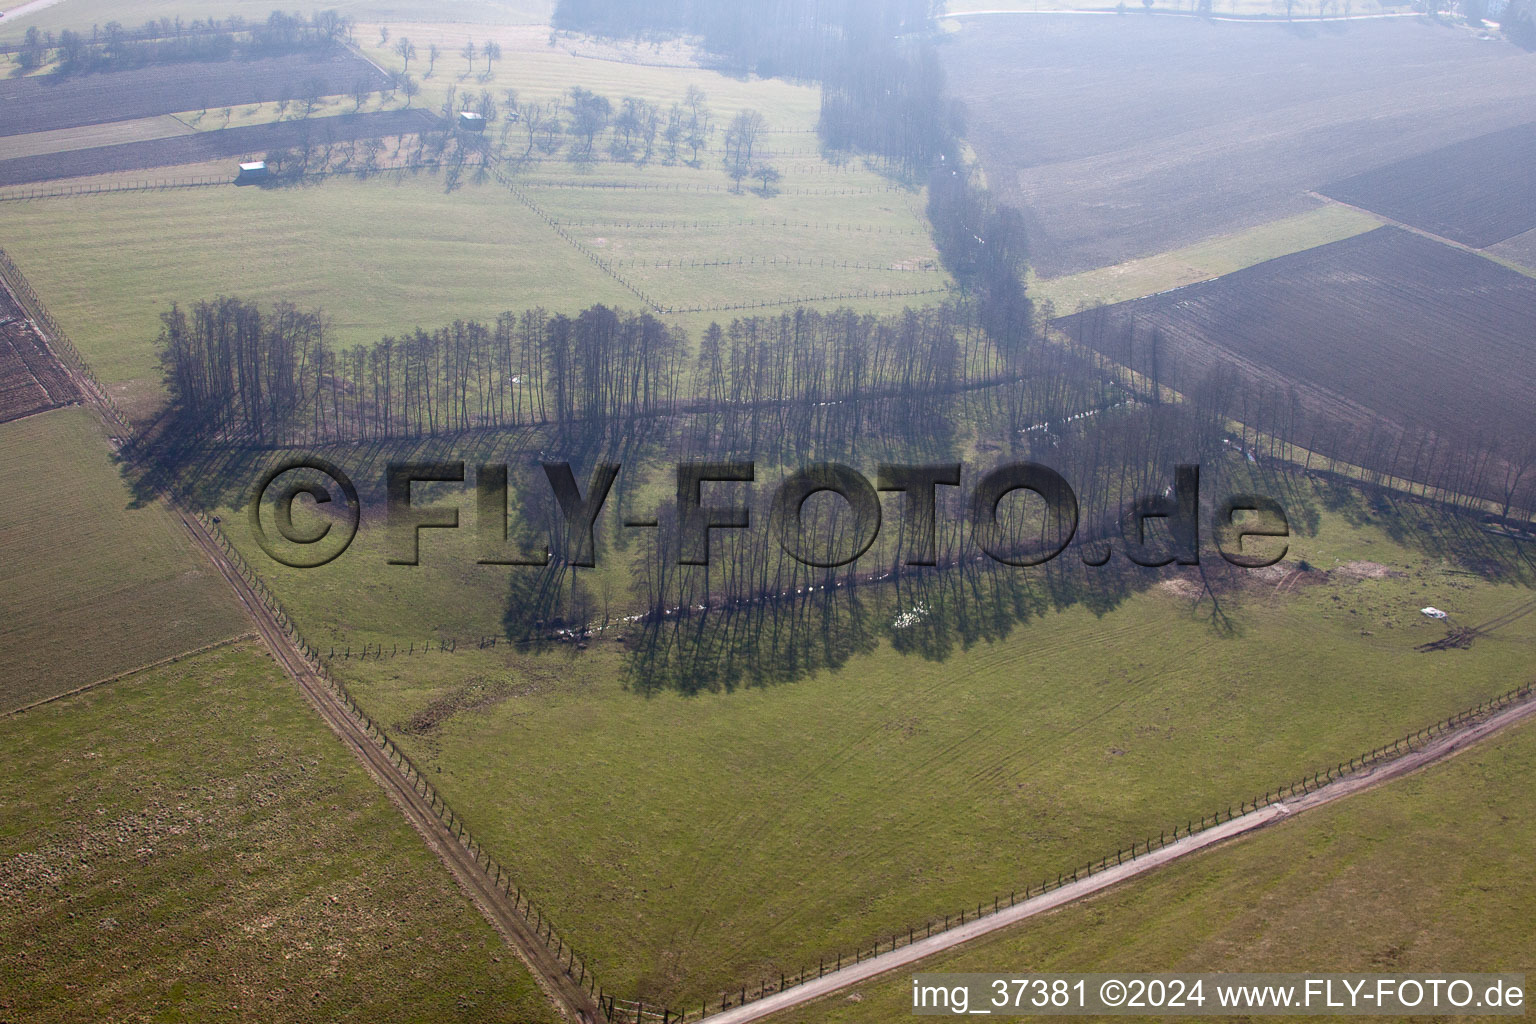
{"x": 237, "y": 370}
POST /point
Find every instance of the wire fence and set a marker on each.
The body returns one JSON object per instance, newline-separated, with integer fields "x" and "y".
{"x": 94, "y": 188}
{"x": 797, "y": 300}
{"x": 636, "y": 1010}
{"x": 608, "y": 268}
{"x": 573, "y": 962}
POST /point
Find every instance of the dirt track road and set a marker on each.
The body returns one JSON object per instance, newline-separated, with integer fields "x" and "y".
{"x": 1437, "y": 750}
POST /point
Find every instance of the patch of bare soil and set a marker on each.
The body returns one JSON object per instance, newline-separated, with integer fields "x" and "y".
{"x": 477, "y": 694}
{"x": 1365, "y": 571}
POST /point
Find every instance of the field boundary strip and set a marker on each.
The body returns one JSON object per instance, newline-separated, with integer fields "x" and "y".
{"x": 194, "y": 652}
{"x": 1408, "y": 753}
{"x": 1423, "y": 232}
{"x": 1289, "y": 451}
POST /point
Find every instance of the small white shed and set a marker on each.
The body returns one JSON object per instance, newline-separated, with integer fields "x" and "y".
{"x": 252, "y": 173}
{"x": 471, "y": 121}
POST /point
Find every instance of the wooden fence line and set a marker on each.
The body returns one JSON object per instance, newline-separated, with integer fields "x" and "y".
{"x": 1140, "y": 848}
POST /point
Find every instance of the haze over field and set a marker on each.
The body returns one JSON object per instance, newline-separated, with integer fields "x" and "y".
{"x": 778, "y": 498}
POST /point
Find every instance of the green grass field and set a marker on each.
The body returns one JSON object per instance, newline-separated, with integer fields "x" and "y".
{"x": 90, "y": 584}
{"x": 826, "y": 230}
{"x": 379, "y": 256}
{"x": 190, "y": 843}
{"x": 386, "y": 255}
{"x": 395, "y": 252}
{"x": 686, "y": 844}
{"x": 1426, "y": 874}
{"x": 731, "y": 835}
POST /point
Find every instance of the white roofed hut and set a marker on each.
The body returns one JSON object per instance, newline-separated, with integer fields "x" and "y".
{"x": 252, "y": 173}
{"x": 471, "y": 121}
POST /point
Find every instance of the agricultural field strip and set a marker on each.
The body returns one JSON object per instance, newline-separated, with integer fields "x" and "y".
{"x": 1446, "y": 746}
{"x": 90, "y": 136}
{"x": 49, "y": 102}
{"x": 1519, "y": 251}
{"x": 114, "y": 677}
{"x": 23, "y": 390}
{"x": 1491, "y": 253}
{"x": 1202, "y": 148}
{"x": 76, "y": 13}
{"x": 1227, "y": 319}
{"x": 252, "y": 140}
{"x": 104, "y": 586}
{"x": 1204, "y": 261}
{"x": 1475, "y": 192}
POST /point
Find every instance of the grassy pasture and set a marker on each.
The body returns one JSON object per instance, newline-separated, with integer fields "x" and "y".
{"x": 379, "y": 256}
{"x": 1327, "y": 891}
{"x": 417, "y": 256}
{"x": 730, "y": 835}
{"x": 430, "y": 257}
{"x": 815, "y": 222}
{"x": 90, "y": 584}
{"x": 190, "y": 843}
